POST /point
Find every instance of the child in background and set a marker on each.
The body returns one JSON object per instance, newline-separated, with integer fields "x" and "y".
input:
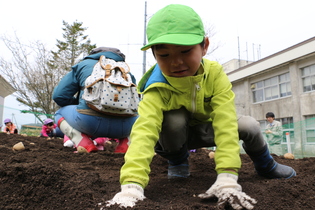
{"x": 188, "y": 103}
{"x": 48, "y": 129}
{"x": 9, "y": 128}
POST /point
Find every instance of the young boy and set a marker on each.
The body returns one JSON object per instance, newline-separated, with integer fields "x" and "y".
{"x": 187, "y": 104}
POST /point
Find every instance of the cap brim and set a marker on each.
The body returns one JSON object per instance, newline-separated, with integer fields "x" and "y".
{"x": 177, "y": 39}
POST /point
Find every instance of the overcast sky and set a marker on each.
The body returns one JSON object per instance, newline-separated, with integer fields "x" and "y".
{"x": 263, "y": 27}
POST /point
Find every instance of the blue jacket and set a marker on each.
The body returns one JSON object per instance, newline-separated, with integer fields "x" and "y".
{"x": 74, "y": 81}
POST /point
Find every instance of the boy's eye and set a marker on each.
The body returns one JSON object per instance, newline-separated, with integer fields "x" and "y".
{"x": 186, "y": 51}
{"x": 163, "y": 55}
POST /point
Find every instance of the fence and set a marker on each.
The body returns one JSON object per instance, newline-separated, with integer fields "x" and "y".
{"x": 299, "y": 137}
{"x": 23, "y": 120}
{"x": 301, "y": 134}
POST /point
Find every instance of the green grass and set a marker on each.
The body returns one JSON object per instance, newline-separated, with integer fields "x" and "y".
{"x": 31, "y": 132}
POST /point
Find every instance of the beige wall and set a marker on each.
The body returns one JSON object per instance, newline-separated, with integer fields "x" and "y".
{"x": 1, "y": 111}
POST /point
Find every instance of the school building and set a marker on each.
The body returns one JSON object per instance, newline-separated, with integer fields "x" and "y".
{"x": 5, "y": 90}
{"x": 282, "y": 83}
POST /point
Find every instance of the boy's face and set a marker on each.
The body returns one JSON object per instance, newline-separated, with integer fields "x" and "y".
{"x": 180, "y": 60}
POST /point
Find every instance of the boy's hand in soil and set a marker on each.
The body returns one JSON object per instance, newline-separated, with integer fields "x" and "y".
{"x": 228, "y": 191}
{"x": 129, "y": 195}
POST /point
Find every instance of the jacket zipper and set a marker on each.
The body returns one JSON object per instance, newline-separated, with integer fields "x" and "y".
{"x": 196, "y": 88}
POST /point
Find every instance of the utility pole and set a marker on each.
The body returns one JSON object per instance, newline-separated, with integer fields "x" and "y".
{"x": 239, "y": 54}
{"x": 145, "y": 39}
{"x": 253, "y": 52}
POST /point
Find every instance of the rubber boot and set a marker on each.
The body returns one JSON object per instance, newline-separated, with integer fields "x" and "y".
{"x": 122, "y": 147}
{"x": 179, "y": 170}
{"x": 179, "y": 167}
{"x": 81, "y": 141}
{"x": 267, "y": 167}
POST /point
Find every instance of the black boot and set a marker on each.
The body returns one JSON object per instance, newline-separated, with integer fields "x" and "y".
{"x": 267, "y": 167}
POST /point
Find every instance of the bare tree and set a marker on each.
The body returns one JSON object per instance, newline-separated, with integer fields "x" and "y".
{"x": 30, "y": 75}
{"x": 34, "y": 70}
{"x": 210, "y": 33}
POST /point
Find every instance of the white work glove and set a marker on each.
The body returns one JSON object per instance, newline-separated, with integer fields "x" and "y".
{"x": 129, "y": 195}
{"x": 227, "y": 190}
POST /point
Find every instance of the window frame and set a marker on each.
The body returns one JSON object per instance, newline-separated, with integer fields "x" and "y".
{"x": 271, "y": 88}
{"x": 309, "y": 128}
{"x": 308, "y": 73}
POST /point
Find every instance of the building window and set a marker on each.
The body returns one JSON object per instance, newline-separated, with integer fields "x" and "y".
{"x": 310, "y": 128}
{"x": 288, "y": 127}
{"x": 308, "y": 78}
{"x": 272, "y": 88}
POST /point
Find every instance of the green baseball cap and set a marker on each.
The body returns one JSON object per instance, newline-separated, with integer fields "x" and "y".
{"x": 175, "y": 24}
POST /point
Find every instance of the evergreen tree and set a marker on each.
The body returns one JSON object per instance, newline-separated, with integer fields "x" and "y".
{"x": 73, "y": 48}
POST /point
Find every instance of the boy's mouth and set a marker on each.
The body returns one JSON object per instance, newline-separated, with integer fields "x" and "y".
{"x": 180, "y": 73}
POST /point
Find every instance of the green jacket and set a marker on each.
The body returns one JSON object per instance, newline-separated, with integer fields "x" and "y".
{"x": 208, "y": 96}
{"x": 277, "y": 133}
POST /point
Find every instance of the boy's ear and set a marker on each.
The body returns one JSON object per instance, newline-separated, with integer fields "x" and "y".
{"x": 206, "y": 46}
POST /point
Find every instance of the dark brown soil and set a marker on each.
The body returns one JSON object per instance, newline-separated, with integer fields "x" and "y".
{"x": 48, "y": 176}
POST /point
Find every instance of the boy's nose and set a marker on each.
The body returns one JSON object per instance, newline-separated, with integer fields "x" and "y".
{"x": 177, "y": 61}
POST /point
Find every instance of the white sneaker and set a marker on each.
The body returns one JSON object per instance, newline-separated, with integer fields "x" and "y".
{"x": 68, "y": 143}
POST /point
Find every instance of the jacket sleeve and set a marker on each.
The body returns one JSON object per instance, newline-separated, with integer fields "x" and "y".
{"x": 144, "y": 135}
{"x": 64, "y": 92}
{"x": 43, "y": 132}
{"x": 224, "y": 122}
